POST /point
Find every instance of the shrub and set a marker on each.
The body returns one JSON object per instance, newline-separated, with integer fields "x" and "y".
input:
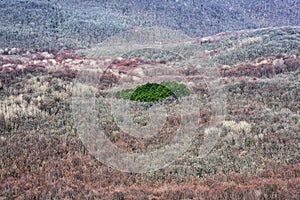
{"x": 151, "y": 92}
{"x": 295, "y": 119}
{"x": 178, "y": 89}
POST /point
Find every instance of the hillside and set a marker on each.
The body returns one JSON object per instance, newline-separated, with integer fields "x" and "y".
{"x": 236, "y": 136}
{"x": 80, "y": 24}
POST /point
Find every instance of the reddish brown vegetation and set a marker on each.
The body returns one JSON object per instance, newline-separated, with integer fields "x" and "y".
{"x": 67, "y": 54}
{"x": 106, "y": 80}
{"x": 41, "y": 158}
{"x": 125, "y": 65}
{"x": 12, "y": 69}
{"x": 4, "y": 61}
{"x": 65, "y": 74}
{"x": 290, "y": 64}
{"x": 40, "y": 167}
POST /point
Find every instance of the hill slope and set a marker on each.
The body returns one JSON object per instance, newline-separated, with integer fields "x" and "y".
{"x": 254, "y": 151}
{"x": 77, "y": 23}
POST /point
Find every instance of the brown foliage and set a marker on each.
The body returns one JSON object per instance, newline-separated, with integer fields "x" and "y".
{"x": 41, "y": 159}
{"x": 268, "y": 70}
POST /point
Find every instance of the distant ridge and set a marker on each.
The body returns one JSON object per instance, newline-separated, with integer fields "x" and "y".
{"x": 81, "y": 24}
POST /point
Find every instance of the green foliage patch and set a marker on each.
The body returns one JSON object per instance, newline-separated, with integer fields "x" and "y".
{"x": 179, "y": 89}
{"x": 152, "y": 92}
